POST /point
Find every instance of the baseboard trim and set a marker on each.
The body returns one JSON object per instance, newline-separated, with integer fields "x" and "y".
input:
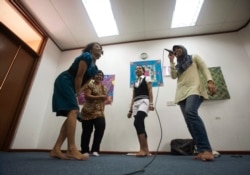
{"x": 125, "y": 152}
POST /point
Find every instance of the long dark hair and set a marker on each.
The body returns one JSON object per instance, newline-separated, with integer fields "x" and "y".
{"x": 90, "y": 46}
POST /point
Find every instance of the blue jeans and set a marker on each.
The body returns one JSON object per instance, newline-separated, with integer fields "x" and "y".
{"x": 189, "y": 108}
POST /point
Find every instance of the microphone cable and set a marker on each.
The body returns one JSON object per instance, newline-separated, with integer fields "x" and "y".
{"x": 157, "y": 150}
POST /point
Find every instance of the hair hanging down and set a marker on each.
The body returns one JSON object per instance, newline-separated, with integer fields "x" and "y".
{"x": 90, "y": 46}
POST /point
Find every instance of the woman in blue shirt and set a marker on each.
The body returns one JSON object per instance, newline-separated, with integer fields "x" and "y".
{"x": 68, "y": 85}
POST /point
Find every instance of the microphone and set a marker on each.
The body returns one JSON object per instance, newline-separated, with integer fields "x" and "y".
{"x": 170, "y": 51}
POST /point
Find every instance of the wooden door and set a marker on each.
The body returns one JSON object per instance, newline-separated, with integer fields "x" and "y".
{"x": 17, "y": 63}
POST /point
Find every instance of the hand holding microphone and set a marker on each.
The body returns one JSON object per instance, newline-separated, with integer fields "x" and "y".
{"x": 170, "y": 51}
{"x": 170, "y": 55}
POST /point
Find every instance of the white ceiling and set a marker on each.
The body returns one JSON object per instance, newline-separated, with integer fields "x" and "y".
{"x": 67, "y": 22}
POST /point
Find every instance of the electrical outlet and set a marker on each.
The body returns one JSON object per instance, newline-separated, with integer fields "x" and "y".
{"x": 171, "y": 103}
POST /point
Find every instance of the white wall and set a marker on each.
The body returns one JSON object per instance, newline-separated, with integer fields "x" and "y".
{"x": 245, "y": 38}
{"x": 227, "y": 121}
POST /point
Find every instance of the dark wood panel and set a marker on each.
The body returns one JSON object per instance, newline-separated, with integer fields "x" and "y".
{"x": 18, "y": 63}
{"x": 8, "y": 49}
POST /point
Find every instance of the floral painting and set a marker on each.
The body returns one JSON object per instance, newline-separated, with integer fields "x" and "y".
{"x": 108, "y": 81}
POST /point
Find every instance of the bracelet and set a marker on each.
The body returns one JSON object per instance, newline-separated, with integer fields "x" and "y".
{"x": 151, "y": 104}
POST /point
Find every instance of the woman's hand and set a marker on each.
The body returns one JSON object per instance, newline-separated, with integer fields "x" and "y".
{"x": 211, "y": 87}
{"x": 171, "y": 57}
{"x": 129, "y": 115}
{"x": 151, "y": 107}
{"x": 103, "y": 97}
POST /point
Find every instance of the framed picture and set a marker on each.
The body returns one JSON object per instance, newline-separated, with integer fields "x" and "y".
{"x": 152, "y": 68}
{"x": 108, "y": 82}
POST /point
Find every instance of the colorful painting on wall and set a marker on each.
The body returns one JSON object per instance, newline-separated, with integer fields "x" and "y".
{"x": 152, "y": 69}
{"x": 109, "y": 82}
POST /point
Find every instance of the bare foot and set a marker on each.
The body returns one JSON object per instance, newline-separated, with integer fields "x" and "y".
{"x": 57, "y": 154}
{"x": 198, "y": 156}
{"x": 75, "y": 154}
{"x": 141, "y": 154}
{"x": 207, "y": 156}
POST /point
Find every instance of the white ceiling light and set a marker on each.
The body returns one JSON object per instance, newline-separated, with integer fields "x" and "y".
{"x": 186, "y": 13}
{"x": 101, "y": 16}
